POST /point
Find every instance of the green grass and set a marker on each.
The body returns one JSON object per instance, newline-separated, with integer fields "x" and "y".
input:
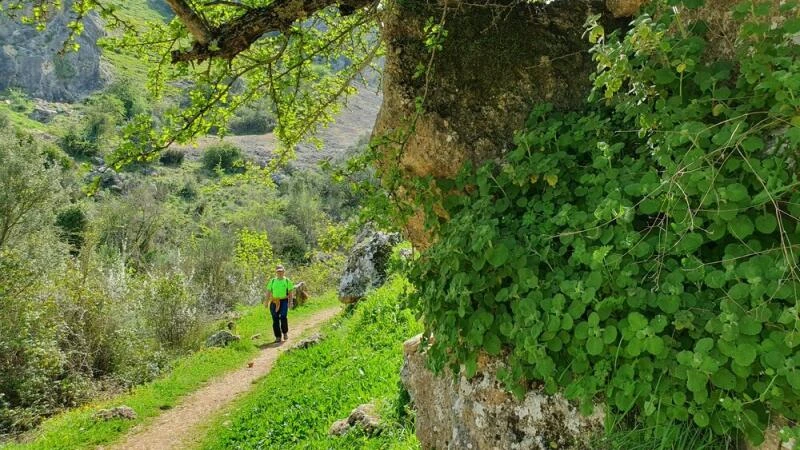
{"x": 76, "y": 429}
{"x": 629, "y": 434}
{"x": 307, "y": 390}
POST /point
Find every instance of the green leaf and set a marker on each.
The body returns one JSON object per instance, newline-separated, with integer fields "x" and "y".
{"x": 497, "y": 255}
{"x": 715, "y": 279}
{"x": 741, "y": 227}
{"x": 655, "y": 345}
{"x": 766, "y": 224}
{"x": 594, "y": 345}
{"x": 745, "y": 354}
{"x": 736, "y": 192}
{"x": 492, "y": 343}
{"x": 704, "y": 345}
{"x": 724, "y": 378}
{"x": 696, "y": 380}
{"x": 701, "y": 419}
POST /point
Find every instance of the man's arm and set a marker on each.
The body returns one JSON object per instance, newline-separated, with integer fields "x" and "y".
{"x": 290, "y": 291}
{"x": 269, "y": 294}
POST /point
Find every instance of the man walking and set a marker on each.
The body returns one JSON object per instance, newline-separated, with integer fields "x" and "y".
{"x": 279, "y": 293}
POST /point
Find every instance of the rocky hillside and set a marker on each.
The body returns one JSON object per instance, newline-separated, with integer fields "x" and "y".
{"x": 353, "y": 124}
{"x": 34, "y": 62}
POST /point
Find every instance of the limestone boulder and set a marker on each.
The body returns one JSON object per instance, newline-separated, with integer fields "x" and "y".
{"x": 479, "y": 413}
{"x": 365, "y": 417}
{"x": 366, "y": 264}
{"x": 221, "y": 339}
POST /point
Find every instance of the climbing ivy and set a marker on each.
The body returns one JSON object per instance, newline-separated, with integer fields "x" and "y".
{"x": 643, "y": 251}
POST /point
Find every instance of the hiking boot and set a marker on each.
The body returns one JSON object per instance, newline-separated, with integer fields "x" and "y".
{"x": 277, "y": 340}
{"x": 285, "y": 337}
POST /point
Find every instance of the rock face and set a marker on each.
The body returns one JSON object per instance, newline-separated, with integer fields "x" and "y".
{"x": 480, "y": 414}
{"x": 366, "y": 264}
{"x": 499, "y": 59}
{"x": 30, "y": 60}
{"x": 221, "y": 339}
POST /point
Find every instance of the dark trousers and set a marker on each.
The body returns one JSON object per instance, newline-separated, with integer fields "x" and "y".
{"x": 279, "y": 321}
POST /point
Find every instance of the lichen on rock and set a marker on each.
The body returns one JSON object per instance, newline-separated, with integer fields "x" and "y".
{"x": 479, "y": 413}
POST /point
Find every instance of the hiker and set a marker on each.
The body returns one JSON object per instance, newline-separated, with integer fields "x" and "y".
{"x": 279, "y": 294}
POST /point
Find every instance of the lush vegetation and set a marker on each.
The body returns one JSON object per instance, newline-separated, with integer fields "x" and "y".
{"x": 78, "y": 429}
{"x": 644, "y": 250}
{"x": 307, "y": 390}
{"x": 103, "y": 293}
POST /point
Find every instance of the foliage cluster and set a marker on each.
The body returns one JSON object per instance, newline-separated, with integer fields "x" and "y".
{"x": 107, "y": 292}
{"x": 77, "y": 429}
{"x": 643, "y": 250}
{"x": 307, "y": 390}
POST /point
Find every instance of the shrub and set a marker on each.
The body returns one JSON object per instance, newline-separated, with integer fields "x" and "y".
{"x": 78, "y": 145}
{"x": 655, "y": 267}
{"x": 214, "y": 271}
{"x": 252, "y": 119}
{"x": 28, "y": 187}
{"x": 171, "y": 157}
{"x": 224, "y": 156}
{"x": 171, "y": 312}
{"x": 72, "y": 221}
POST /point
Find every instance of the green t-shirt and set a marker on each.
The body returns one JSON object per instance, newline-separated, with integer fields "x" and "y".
{"x": 280, "y": 287}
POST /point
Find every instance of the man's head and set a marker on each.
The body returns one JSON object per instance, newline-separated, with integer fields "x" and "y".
{"x": 280, "y": 270}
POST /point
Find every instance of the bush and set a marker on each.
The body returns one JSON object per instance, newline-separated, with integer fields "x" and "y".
{"x": 224, "y": 156}
{"x": 171, "y": 312}
{"x": 214, "y": 271}
{"x": 73, "y": 222}
{"x": 78, "y": 145}
{"x": 252, "y": 119}
{"x": 654, "y": 268}
{"x": 171, "y": 157}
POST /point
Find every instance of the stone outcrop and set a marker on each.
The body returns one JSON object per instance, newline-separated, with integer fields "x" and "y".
{"x": 30, "y": 60}
{"x": 365, "y": 417}
{"x": 366, "y": 264}
{"x": 312, "y": 340}
{"x": 479, "y": 413}
{"x": 118, "y": 412}
{"x": 221, "y": 339}
{"x": 301, "y": 294}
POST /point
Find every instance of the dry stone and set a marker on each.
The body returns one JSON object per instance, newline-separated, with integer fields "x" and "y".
{"x": 221, "y": 339}
{"x": 479, "y": 413}
{"x": 366, "y": 264}
{"x": 365, "y": 417}
{"x": 118, "y": 412}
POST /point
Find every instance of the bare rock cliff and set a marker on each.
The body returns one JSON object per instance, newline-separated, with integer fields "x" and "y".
{"x": 30, "y": 59}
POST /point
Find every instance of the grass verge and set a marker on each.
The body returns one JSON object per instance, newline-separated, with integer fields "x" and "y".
{"x": 307, "y": 390}
{"x": 76, "y": 429}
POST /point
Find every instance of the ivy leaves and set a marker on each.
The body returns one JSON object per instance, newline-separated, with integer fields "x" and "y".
{"x": 655, "y": 266}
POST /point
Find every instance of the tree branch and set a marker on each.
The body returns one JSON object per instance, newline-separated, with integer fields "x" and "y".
{"x": 196, "y": 25}
{"x": 237, "y": 35}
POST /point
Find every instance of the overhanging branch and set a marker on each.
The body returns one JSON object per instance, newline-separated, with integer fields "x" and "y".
{"x": 196, "y": 25}
{"x": 236, "y": 36}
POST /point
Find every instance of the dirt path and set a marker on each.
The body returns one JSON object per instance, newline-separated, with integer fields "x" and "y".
{"x": 175, "y": 428}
